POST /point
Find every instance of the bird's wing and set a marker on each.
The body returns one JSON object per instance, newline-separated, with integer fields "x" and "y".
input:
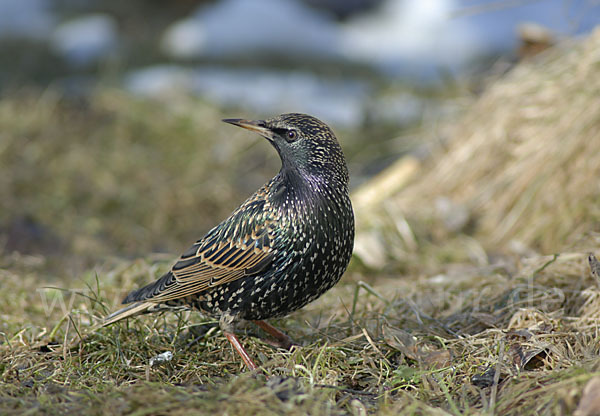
{"x": 240, "y": 246}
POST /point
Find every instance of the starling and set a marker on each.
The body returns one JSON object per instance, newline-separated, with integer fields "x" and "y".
{"x": 282, "y": 248}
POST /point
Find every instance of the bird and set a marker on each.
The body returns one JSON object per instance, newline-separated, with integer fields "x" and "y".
{"x": 282, "y": 248}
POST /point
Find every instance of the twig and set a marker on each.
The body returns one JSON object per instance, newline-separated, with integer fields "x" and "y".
{"x": 370, "y": 341}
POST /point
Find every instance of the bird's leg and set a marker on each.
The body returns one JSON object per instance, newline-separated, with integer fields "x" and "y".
{"x": 282, "y": 340}
{"x": 226, "y": 324}
{"x": 235, "y": 343}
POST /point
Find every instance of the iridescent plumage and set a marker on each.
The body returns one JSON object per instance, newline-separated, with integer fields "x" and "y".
{"x": 283, "y": 247}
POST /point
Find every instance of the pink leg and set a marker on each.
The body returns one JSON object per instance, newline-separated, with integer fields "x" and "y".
{"x": 235, "y": 343}
{"x": 283, "y": 341}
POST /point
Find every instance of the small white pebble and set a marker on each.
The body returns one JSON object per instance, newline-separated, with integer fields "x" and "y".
{"x": 163, "y": 357}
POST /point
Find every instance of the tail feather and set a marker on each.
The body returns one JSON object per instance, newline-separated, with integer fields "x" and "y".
{"x": 140, "y": 300}
{"x": 149, "y": 291}
{"x": 133, "y": 309}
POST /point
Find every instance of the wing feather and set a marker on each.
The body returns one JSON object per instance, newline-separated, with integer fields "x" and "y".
{"x": 239, "y": 247}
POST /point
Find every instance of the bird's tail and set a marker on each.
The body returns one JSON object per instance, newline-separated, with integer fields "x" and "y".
{"x": 133, "y": 309}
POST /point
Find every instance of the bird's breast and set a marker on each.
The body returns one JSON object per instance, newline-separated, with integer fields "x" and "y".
{"x": 319, "y": 231}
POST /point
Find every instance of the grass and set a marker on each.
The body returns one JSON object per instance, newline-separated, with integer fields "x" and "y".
{"x": 521, "y": 170}
{"x": 485, "y": 341}
{"x": 447, "y": 319}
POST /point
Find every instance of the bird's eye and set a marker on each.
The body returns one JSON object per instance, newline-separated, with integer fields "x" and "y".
{"x": 291, "y": 135}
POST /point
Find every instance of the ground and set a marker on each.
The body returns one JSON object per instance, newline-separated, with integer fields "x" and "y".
{"x": 470, "y": 341}
{"x": 444, "y": 319}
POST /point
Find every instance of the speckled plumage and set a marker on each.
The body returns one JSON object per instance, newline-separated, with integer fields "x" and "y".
{"x": 282, "y": 248}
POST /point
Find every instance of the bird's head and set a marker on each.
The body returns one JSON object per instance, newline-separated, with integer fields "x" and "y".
{"x": 306, "y": 145}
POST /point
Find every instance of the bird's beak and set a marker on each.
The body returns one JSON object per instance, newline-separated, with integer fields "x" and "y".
{"x": 254, "y": 125}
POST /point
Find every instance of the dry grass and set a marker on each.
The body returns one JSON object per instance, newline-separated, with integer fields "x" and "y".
{"x": 462, "y": 316}
{"x": 521, "y": 170}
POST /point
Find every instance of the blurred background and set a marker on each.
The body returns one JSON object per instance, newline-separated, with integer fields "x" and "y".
{"x": 110, "y": 136}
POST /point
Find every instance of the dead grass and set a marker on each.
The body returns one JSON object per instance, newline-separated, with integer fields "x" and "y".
{"x": 462, "y": 315}
{"x": 520, "y": 171}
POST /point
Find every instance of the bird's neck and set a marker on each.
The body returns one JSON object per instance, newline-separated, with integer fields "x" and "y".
{"x": 304, "y": 190}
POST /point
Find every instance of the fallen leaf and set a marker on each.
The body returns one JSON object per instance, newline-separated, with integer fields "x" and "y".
{"x": 402, "y": 341}
{"x": 435, "y": 359}
{"x": 535, "y": 358}
{"x": 407, "y": 345}
{"x": 529, "y": 359}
